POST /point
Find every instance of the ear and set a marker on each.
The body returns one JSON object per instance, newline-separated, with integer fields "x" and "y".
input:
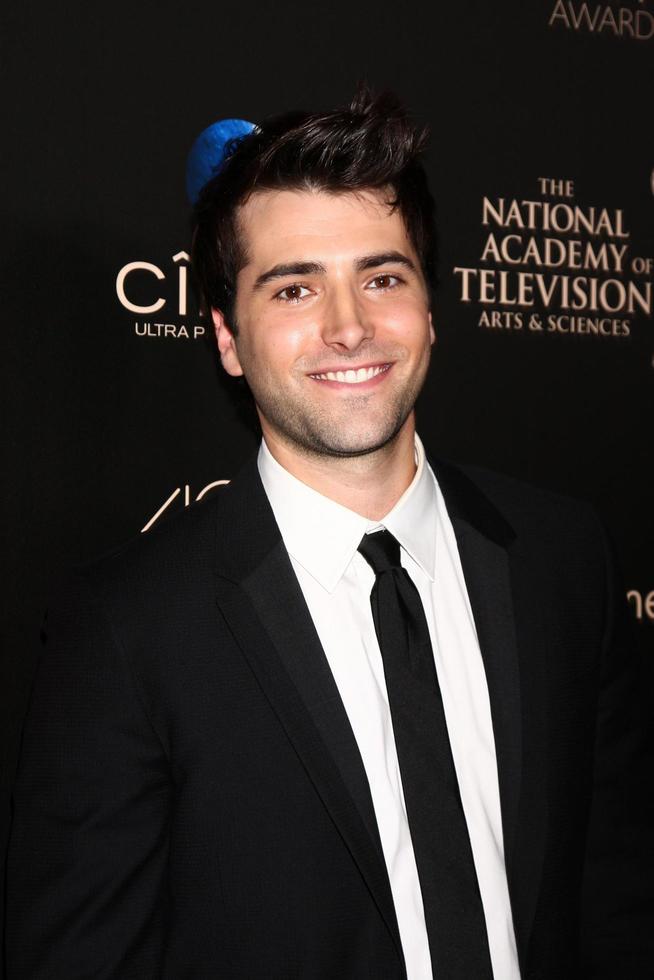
{"x": 226, "y": 344}
{"x": 432, "y": 332}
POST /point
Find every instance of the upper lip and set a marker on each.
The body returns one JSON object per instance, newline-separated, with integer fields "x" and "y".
{"x": 349, "y": 367}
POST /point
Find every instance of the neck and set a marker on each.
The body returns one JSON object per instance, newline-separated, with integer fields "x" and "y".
{"x": 369, "y": 485}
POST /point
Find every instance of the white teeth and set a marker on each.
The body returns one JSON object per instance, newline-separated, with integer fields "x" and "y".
{"x": 351, "y": 377}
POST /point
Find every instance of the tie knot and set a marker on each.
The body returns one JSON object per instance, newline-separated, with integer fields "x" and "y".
{"x": 381, "y": 550}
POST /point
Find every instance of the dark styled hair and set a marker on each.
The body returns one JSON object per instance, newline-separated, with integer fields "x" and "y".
{"x": 369, "y": 145}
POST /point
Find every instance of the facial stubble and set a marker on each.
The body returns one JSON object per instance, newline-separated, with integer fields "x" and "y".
{"x": 313, "y": 429}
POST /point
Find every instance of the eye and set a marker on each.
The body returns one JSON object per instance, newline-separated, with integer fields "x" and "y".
{"x": 293, "y": 293}
{"x": 384, "y": 281}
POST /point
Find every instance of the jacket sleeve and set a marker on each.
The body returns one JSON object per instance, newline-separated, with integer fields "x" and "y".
{"x": 617, "y": 915}
{"x": 88, "y": 849}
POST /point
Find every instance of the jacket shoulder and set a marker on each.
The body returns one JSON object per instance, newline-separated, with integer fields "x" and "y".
{"x": 543, "y": 517}
{"x": 181, "y": 545}
{"x": 519, "y": 495}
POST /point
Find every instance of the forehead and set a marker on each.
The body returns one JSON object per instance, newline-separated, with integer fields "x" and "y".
{"x": 275, "y": 225}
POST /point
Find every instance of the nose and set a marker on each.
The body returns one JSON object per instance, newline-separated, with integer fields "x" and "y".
{"x": 347, "y": 323}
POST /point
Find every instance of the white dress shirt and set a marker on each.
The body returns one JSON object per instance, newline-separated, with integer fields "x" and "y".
{"x": 322, "y": 538}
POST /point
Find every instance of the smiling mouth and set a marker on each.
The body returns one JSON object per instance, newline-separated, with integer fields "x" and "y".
{"x": 352, "y": 376}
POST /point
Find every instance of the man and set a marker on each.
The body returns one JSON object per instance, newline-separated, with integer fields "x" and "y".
{"x": 363, "y": 714}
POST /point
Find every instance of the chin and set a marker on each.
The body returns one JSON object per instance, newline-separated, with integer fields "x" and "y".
{"x": 351, "y": 444}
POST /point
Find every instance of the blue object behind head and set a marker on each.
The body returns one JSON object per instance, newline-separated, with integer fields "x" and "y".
{"x": 208, "y": 153}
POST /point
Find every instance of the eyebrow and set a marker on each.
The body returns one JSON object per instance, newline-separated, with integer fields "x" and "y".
{"x": 289, "y": 269}
{"x": 284, "y": 269}
{"x": 382, "y": 258}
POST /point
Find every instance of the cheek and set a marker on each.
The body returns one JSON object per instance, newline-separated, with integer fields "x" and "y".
{"x": 276, "y": 343}
{"x": 284, "y": 343}
{"x": 294, "y": 331}
{"x": 409, "y": 327}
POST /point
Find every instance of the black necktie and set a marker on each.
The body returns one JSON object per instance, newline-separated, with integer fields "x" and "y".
{"x": 454, "y": 915}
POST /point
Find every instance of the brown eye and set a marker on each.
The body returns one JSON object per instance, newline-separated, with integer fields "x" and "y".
{"x": 384, "y": 281}
{"x": 293, "y": 293}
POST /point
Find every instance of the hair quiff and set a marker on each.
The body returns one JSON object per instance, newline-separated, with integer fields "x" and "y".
{"x": 369, "y": 145}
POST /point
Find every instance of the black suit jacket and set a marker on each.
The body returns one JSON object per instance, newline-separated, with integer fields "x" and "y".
{"x": 191, "y": 801}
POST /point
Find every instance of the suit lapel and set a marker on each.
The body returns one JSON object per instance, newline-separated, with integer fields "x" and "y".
{"x": 506, "y": 622}
{"x": 262, "y": 603}
{"x": 291, "y": 629}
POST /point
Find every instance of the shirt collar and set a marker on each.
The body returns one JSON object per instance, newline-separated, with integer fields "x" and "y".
{"x": 323, "y": 536}
{"x": 413, "y": 518}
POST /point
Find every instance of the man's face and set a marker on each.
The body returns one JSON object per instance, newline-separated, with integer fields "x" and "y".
{"x": 334, "y": 330}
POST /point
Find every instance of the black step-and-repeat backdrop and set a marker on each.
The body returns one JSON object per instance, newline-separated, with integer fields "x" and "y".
{"x": 542, "y": 164}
